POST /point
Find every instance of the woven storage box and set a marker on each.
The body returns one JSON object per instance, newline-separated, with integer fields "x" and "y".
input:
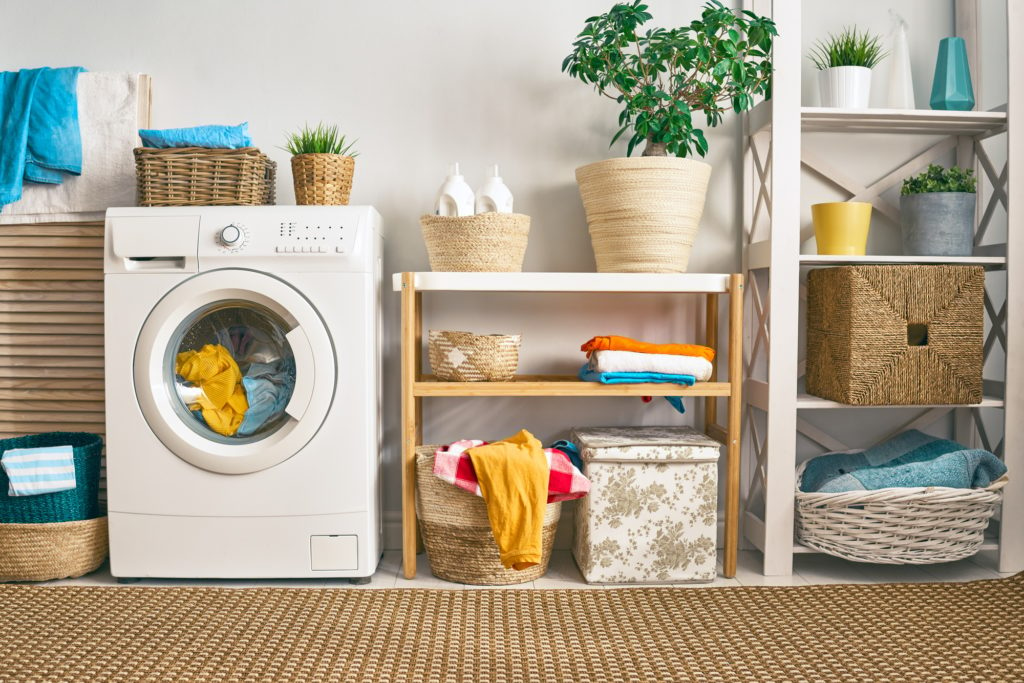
{"x": 486, "y": 242}
{"x": 200, "y": 176}
{"x": 81, "y": 502}
{"x": 457, "y": 533}
{"x": 922, "y": 525}
{"x": 323, "y": 179}
{"x": 652, "y": 512}
{"x": 895, "y": 335}
{"x": 42, "y": 552}
{"x": 468, "y": 357}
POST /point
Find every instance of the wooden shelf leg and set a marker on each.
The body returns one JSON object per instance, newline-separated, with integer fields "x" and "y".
{"x": 410, "y": 423}
{"x": 732, "y": 483}
{"x": 711, "y": 341}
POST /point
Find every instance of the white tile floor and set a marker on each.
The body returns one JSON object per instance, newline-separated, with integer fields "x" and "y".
{"x": 563, "y": 573}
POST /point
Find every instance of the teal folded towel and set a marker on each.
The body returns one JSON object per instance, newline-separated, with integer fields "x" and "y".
{"x": 588, "y": 375}
{"x": 40, "y": 139}
{"x": 220, "y": 137}
{"x": 909, "y": 459}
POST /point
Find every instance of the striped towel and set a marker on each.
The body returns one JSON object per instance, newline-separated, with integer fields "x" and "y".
{"x": 39, "y": 470}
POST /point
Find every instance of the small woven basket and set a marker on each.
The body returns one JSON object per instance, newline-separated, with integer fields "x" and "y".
{"x": 467, "y": 357}
{"x": 487, "y": 242}
{"x": 922, "y": 525}
{"x": 42, "y": 552}
{"x": 200, "y": 176}
{"x": 81, "y": 502}
{"x": 322, "y": 179}
{"x": 457, "y": 533}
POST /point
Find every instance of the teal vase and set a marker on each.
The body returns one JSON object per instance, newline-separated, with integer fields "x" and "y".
{"x": 951, "y": 89}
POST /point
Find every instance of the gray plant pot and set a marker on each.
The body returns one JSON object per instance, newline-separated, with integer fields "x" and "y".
{"x": 938, "y": 223}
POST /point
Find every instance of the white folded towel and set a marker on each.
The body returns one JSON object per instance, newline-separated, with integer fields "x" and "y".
{"x": 630, "y": 361}
{"x": 108, "y": 114}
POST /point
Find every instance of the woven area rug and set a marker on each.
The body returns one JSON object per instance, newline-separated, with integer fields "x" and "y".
{"x": 909, "y": 632}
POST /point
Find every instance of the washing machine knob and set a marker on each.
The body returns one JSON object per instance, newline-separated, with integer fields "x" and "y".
{"x": 230, "y": 235}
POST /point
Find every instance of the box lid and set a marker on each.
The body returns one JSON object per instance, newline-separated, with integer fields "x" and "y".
{"x": 644, "y": 443}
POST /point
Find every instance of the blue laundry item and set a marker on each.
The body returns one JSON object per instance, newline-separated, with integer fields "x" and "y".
{"x": 222, "y": 137}
{"x": 571, "y": 450}
{"x": 46, "y": 469}
{"x": 268, "y": 388}
{"x": 588, "y": 375}
{"x": 40, "y": 139}
{"x": 909, "y": 459}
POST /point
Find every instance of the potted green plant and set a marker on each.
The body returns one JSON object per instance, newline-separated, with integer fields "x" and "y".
{"x": 937, "y": 212}
{"x": 643, "y": 213}
{"x": 844, "y": 64}
{"x": 323, "y": 164}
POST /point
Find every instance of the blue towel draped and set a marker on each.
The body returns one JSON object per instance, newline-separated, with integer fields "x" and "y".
{"x": 40, "y": 139}
{"x": 909, "y": 459}
{"x": 221, "y": 137}
{"x": 588, "y": 375}
{"x": 33, "y": 471}
{"x": 268, "y": 388}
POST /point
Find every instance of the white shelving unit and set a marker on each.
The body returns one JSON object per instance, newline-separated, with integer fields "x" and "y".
{"x": 775, "y": 158}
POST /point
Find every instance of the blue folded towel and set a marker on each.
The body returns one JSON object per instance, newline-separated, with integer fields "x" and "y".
{"x": 40, "y": 139}
{"x": 33, "y": 471}
{"x": 909, "y": 459}
{"x": 222, "y": 137}
{"x": 588, "y": 375}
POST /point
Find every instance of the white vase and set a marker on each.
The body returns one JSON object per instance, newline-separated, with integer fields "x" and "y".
{"x": 845, "y": 87}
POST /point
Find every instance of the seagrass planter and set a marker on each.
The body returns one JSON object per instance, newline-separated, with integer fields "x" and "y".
{"x": 457, "y": 534}
{"x": 487, "y": 242}
{"x": 896, "y": 335}
{"x": 920, "y": 525}
{"x": 323, "y": 179}
{"x": 643, "y": 212}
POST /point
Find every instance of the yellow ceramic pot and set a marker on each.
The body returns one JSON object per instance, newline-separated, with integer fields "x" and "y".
{"x": 841, "y": 228}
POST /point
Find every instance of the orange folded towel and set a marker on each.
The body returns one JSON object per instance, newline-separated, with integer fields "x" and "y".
{"x": 613, "y": 343}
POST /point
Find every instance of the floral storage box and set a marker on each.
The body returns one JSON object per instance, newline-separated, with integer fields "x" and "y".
{"x": 652, "y": 512}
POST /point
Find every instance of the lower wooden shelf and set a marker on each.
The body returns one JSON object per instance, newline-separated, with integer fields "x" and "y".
{"x": 561, "y": 385}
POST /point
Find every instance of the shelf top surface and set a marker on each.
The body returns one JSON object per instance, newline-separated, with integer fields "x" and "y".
{"x": 807, "y": 401}
{"x": 920, "y": 121}
{"x": 562, "y": 385}
{"x": 567, "y": 282}
{"x": 831, "y": 259}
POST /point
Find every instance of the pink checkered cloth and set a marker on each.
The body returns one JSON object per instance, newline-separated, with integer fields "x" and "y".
{"x": 453, "y": 464}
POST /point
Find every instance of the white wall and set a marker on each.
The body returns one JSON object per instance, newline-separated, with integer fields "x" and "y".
{"x": 422, "y": 84}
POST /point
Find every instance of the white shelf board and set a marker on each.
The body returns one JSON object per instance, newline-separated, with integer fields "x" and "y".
{"x": 902, "y": 121}
{"x": 808, "y": 402}
{"x": 834, "y": 260}
{"x": 567, "y": 282}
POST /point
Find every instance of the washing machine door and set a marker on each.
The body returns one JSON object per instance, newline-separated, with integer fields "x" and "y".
{"x": 234, "y": 371}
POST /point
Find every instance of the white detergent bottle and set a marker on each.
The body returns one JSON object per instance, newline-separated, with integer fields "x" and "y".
{"x": 494, "y": 195}
{"x": 455, "y": 198}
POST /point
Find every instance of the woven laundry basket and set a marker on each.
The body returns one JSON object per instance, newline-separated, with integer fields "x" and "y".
{"x": 486, "y": 242}
{"x": 201, "y": 176}
{"x": 467, "y": 357}
{"x": 323, "y": 179}
{"x": 922, "y": 525}
{"x": 896, "y": 335}
{"x": 457, "y": 533}
{"x": 643, "y": 212}
{"x": 42, "y": 552}
{"x": 81, "y": 502}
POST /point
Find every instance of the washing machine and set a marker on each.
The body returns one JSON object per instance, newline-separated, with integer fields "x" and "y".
{"x": 243, "y": 391}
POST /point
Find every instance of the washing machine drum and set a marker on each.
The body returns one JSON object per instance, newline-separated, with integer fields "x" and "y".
{"x": 234, "y": 371}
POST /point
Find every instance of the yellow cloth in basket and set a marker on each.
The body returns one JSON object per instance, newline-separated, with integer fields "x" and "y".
{"x": 214, "y": 370}
{"x": 513, "y": 478}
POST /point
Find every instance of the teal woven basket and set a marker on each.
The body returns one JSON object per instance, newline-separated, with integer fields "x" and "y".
{"x": 81, "y": 502}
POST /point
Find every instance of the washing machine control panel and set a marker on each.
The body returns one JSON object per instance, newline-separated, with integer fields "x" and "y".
{"x": 313, "y": 237}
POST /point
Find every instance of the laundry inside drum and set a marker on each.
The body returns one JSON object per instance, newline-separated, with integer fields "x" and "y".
{"x": 233, "y": 371}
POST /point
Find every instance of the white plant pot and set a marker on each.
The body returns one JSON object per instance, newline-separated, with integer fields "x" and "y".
{"x": 845, "y": 87}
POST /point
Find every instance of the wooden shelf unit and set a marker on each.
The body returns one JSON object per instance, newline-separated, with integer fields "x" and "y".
{"x": 416, "y": 386}
{"x": 778, "y": 148}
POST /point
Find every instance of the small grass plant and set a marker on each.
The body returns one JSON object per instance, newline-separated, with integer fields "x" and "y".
{"x": 850, "y": 47}
{"x": 321, "y": 139}
{"x": 939, "y": 179}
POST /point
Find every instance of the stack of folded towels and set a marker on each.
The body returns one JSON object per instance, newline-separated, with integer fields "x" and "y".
{"x": 621, "y": 360}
